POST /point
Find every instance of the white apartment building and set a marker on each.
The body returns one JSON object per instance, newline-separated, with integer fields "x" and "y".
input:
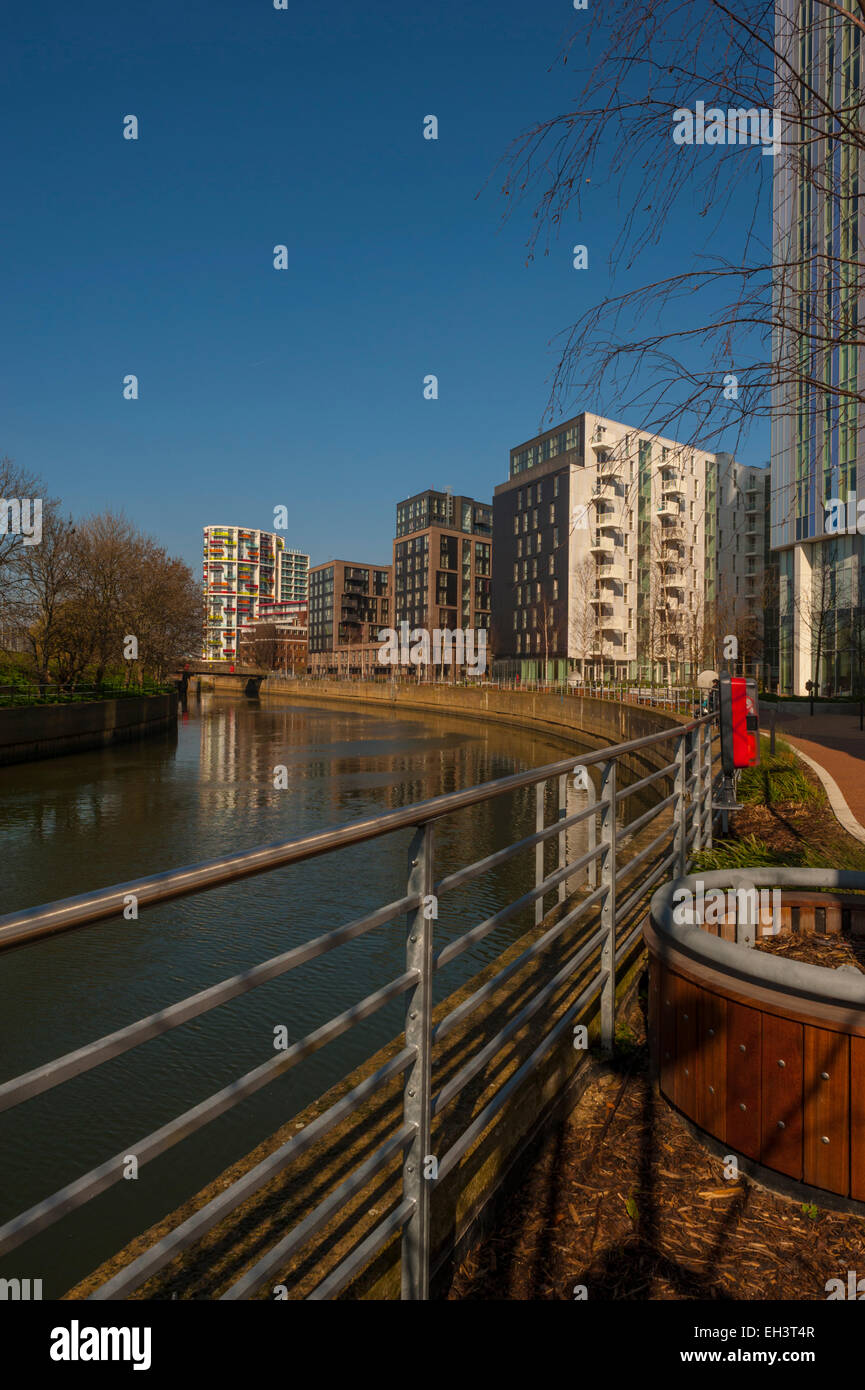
{"x": 612, "y": 549}
{"x": 246, "y": 574}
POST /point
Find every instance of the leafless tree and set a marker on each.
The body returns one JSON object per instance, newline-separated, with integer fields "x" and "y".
{"x": 695, "y": 355}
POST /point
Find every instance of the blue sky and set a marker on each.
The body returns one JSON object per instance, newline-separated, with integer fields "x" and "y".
{"x": 154, "y": 257}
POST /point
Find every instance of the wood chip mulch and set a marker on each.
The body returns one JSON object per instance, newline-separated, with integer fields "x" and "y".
{"x": 624, "y": 1200}
{"x": 832, "y": 950}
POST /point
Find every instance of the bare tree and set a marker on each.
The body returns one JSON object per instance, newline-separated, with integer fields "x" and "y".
{"x": 697, "y": 354}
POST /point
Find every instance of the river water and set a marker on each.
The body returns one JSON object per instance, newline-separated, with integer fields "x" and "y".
{"x": 85, "y": 821}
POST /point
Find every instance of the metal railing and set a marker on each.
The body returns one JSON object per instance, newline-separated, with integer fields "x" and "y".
{"x": 617, "y": 898}
{"x": 53, "y": 694}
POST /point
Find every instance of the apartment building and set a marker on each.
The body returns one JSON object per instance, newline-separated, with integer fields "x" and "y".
{"x": 349, "y": 603}
{"x": 244, "y": 570}
{"x": 612, "y": 550}
{"x": 278, "y": 639}
{"x": 819, "y": 381}
{"x": 442, "y": 562}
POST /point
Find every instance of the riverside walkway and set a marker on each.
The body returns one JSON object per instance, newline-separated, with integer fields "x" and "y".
{"x": 834, "y": 746}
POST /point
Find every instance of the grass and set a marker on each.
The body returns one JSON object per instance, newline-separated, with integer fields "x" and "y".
{"x": 778, "y": 780}
{"x": 748, "y": 853}
{"x": 785, "y": 820}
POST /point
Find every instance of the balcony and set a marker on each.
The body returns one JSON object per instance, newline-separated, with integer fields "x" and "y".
{"x": 673, "y": 488}
{"x": 667, "y": 512}
{"x": 613, "y": 574}
{"x": 603, "y": 548}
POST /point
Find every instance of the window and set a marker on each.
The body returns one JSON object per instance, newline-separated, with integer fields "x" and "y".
{"x": 552, "y": 565}
{"x": 555, "y": 537}
{"x": 556, "y": 485}
{"x": 516, "y": 526}
{"x": 552, "y": 513}
{"x": 516, "y": 570}
{"x": 555, "y": 590}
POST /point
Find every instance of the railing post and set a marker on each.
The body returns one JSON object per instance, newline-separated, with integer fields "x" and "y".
{"x": 680, "y": 808}
{"x": 416, "y": 1095}
{"x": 707, "y": 787}
{"x": 695, "y": 748}
{"x": 563, "y": 848}
{"x": 592, "y": 823}
{"x": 608, "y": 906}
{"x": 540, "y": 787}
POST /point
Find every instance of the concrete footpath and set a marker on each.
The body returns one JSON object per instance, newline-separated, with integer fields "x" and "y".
{"x": 834, "y": 747}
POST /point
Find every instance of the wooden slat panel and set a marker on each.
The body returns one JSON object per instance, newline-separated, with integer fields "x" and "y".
{"x": 712, "y": 1064}
{"x": 654, "y": 1010}
{"x": 783, "y": 1041}
{"x": 857, "y": 1118}
{"x": 743, "y": 1079}
{"x": 826, "y": 1109}
{"x": 686, "y": 1047}
{"x": 667, "y": 1022}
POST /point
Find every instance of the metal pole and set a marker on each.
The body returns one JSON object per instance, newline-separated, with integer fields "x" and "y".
{"x": 563, "y": 849}
{"x": 416, "y": 1095}
{"x": 540, "y": 787}
{"x": 695, "y": 746}
{"x": 592, "y": 824}
{"x": 706, "y": 733}
{"x": 608, "y": 908}
{"x": 681, "y": 805}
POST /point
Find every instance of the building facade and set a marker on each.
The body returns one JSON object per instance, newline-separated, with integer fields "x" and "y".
{"x": 246, "y": 571}
{"x": 442, "y": 563}
{"x": 614, "y": 553}
{"x": 819, "y": 371}
{"x": 349, "y": 603}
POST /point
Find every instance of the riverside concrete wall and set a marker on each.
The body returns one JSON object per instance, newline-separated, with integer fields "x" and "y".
{"x": 46, "y": 731}
{"x": 576, "y": 719}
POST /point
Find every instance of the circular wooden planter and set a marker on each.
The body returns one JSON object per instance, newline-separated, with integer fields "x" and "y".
{"x": 765, "y": 1054}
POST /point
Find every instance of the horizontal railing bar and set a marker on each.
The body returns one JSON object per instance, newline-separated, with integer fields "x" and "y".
{"x": 476, "y": 934}
{"x": 486, "y": 991}
{"x": 461, "y": 1078}
{"x": 646, "y": 781}
{"x": 659, "y": 869}
{"x": 461, "y": 876}
{"x": 320, "y": 1216}
{"x": 50, "y": 1074}
{"x": 175, "y": 883}
{"x": 336, "y": 1281}
{"x": 198, "y": 1225}
{"x": 644, "y": 853}
{"x": 467, "y": 1138}
{"x": 637, "y": 825}
{"x": 98, "y": 1180}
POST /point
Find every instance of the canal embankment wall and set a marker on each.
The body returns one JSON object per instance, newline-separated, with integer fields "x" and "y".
{"x": 578, "y": 720}
{"x": 30, "y": 732}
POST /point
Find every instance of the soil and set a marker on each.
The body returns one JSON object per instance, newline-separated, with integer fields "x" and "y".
{"x": 623, "y": 1199}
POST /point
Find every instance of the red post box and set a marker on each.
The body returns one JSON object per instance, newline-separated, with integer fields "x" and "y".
{"x": 739, "y": 722}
